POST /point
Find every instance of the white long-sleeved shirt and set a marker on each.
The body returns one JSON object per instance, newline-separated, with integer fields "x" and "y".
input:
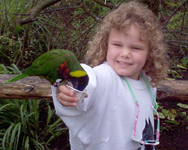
{"x": 104, "y": 120}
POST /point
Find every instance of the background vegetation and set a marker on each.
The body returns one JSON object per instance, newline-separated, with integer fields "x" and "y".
{"x": 68, "y": 24}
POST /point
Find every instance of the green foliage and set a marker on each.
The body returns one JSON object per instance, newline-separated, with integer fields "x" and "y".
{"x": 11, "y": 33}
{"x": 28, "y": 124}
{"x": 7, "y": 16}
{"x": 8, "y": 70}
{"x": 10, "y": 47}
{"x": 171, "y": 118}
{"x": 176, "y": 37}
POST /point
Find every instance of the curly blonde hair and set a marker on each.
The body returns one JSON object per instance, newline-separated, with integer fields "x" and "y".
{"x": 150, "y": 30}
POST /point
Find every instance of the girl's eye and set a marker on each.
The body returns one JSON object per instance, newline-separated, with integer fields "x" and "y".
{"x": 118, "y": 45}
{"x": 136, "y": 48}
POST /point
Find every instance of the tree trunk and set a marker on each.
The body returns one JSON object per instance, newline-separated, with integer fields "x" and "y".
{"x": 37, "y": 88}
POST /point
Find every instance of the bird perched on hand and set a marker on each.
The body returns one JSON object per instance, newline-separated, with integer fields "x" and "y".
{"x": 57, "y": 64}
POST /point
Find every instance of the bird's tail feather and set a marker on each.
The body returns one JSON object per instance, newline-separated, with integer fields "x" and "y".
{"x": 16, "y": 78}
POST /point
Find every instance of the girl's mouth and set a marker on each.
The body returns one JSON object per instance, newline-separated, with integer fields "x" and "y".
{"x": 124, "y": 63}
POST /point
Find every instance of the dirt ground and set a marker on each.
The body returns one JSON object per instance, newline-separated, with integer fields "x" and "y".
{"x": 174, "y": 140}
{"x": 173, "y": 136}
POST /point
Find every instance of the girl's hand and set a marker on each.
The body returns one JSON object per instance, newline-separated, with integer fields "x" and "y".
{"x": 66, "y": 97}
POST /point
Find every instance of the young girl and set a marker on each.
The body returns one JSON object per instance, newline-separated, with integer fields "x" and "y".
{"x": 128, "y": 59}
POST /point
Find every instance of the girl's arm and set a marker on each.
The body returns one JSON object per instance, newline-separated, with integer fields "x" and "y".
{"x": 65, "y": 101}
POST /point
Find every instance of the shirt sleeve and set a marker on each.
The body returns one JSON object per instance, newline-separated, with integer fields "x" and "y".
{"x": 81, "y": 107}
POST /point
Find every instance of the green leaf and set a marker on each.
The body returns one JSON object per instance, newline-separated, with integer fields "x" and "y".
{"x": 184, "y": 61}
{"x": 180, "y": 66}
{"x": 170, "y": 115}
{"x": 3, "y": 69}
{"x": 15, "y": 68}
{"x": 161, "y": 115}
{"x": 183, "y": 105}
{"x": 172, "y": 122}
{"x": 26, "y": 145}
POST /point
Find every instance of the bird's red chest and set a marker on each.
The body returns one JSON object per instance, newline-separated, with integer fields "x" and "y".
{"x": 63, "y": 71}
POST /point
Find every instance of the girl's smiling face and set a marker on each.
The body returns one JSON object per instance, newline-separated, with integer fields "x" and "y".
{"x": 127, "y": 53}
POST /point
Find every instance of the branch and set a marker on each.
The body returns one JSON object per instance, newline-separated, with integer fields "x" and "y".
{"x": 96, "y": 18}
{"x": 111, "y": 6}
{"x": 176, "y": 32}
{"x": 36, "y": 10}
{"x": 177, "y": 43}
{"x": 48, "y": 11}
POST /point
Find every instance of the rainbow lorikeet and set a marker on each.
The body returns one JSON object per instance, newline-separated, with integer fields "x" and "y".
{"x": 57, "y": 64}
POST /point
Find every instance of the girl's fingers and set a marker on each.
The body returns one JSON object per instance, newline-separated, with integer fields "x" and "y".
{"x": 66, "y": 97}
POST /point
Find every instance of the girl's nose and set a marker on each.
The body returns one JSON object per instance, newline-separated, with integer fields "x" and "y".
{"x": 126, "y": 53}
